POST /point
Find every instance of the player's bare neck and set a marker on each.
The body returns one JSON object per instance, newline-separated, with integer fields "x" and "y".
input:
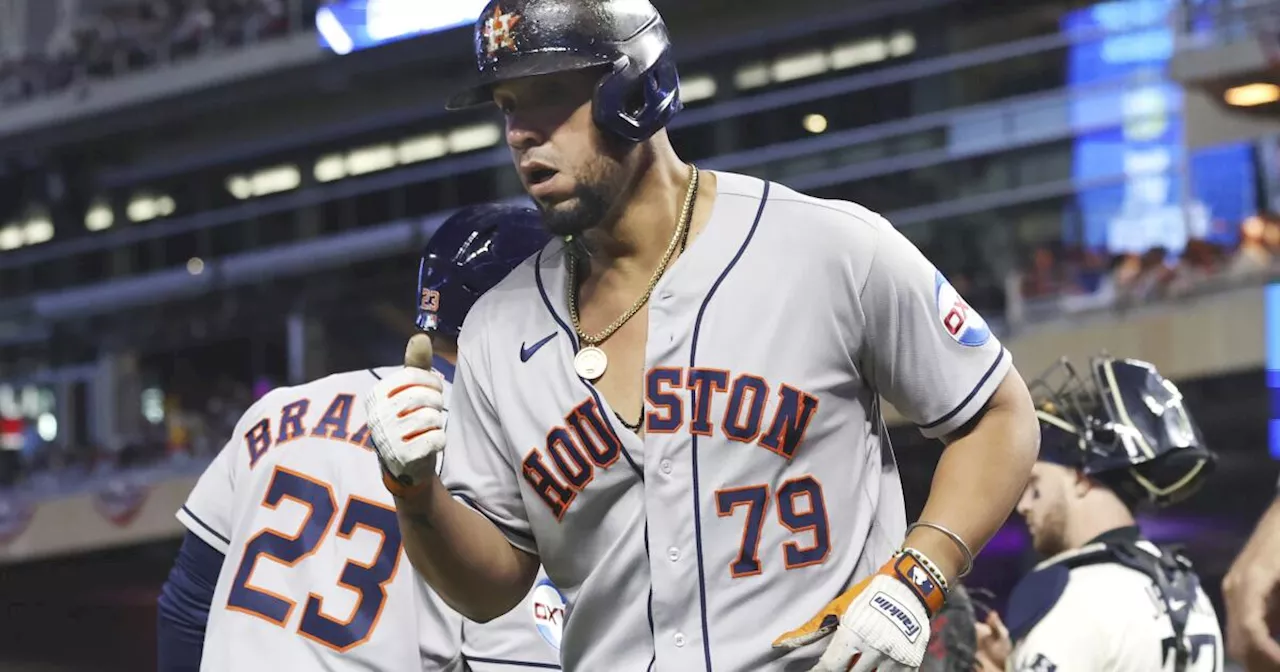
{"x": 1101, "y": 512}
{"x": 639, "y": 229}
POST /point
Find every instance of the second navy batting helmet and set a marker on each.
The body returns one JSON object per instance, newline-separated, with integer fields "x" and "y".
{"x": 639, "y": 91}
{"x": 1124, "y": 424}
{"x": 473, "y": 250}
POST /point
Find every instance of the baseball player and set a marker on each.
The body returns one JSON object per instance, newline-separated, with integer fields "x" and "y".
{"x": 1107, "y": 600}
{"x": 675, "y": 406}
{"x": 293, "y": 554}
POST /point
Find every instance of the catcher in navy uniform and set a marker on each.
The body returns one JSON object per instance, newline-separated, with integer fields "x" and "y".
{"x": 1106, "y": 599}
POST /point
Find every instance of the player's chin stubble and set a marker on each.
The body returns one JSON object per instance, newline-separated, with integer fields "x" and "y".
{"x": 585, "y": 209}
{"x": 597, "y": 189}
{"x": 1049, "y": 537}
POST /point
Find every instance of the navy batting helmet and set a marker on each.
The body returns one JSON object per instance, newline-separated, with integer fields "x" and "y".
{"x": 473, "y": 250}
{"x": 1124, "y": 424}
{"x": 639, "y": 91}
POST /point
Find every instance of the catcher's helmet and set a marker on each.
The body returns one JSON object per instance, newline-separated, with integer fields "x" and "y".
{"x": 473, "y": 250}
{"x": 1126, "y": 425}
{"x": 638, "y": 93}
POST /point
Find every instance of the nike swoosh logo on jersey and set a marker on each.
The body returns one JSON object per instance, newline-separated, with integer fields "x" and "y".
{"x": 527, "y": 352}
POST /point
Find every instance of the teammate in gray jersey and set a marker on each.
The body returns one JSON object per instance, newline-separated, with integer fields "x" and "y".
{"x": 286, "y": 517}
{"x": 675, "y": 406}
{"x": 1106, "y": 599}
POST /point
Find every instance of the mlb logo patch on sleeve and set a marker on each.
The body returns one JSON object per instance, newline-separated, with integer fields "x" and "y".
{"x": 961, "y": 322}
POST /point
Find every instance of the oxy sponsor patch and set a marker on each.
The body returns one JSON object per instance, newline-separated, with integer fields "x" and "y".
{"x": 961, "y": 322}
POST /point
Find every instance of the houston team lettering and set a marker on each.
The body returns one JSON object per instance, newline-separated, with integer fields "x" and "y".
{"x": 677, "y": 398}
{"x": 560, "y": 469}
{"x": 334, "y": 424}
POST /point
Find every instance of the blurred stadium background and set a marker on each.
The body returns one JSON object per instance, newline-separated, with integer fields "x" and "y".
{"x": 202, "y": 199}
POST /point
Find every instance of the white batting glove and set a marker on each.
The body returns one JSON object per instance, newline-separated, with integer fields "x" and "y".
{"x": 880, "y": 624}
{"x": 406, "y": 417}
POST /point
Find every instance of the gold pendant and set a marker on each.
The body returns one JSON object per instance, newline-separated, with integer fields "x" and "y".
{"x": 590, "y": 363}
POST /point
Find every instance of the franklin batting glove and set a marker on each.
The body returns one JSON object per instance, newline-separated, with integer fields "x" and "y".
{"x": 881, "y": 624}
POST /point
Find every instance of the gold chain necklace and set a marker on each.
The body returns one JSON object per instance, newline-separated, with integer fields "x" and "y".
{"x": 590, "y": 362}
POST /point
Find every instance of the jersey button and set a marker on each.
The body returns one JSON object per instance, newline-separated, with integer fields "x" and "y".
{"x": 665, "y": 465}
{"x": 679, "y": 639}
{"x": 673, "y": 553}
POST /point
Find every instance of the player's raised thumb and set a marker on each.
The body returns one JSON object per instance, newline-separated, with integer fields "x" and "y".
{"x": 418, "y": 352}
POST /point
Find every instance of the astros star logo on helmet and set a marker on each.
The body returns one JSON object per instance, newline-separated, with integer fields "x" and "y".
{"x": 497, "y": 31}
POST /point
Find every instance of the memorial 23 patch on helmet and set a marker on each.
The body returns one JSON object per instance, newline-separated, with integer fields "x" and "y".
{"x": 548, "y": 606}
{"x": 958, "y": 318}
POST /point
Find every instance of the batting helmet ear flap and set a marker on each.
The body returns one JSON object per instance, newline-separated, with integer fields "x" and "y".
{"x": 641, "y": 93}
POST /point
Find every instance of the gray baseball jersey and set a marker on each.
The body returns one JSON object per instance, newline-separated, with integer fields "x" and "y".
{"x": 526, "y": 637}
{"x": 764, "y": 484}
{"x": 314, "y": 575}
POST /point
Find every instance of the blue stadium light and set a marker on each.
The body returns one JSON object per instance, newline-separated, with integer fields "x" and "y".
{"x": 351, "y": 25}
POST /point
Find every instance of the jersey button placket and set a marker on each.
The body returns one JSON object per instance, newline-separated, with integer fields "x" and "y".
{"x": 668, "y": 496}
{"x": 674, "y": 575}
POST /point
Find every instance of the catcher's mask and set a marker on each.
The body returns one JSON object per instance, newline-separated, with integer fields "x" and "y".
{"x": 1125, "y": 425}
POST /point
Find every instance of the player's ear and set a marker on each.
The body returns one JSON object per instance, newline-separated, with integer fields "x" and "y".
{"x": 418, "y": 352}
{"x": 1081, "y": 484}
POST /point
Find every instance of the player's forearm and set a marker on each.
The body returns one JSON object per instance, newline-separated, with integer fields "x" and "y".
{"x": 462, "y": 555}
{"x": 980, "y": 476}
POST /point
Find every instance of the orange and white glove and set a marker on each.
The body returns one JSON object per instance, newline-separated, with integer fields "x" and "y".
{"x": 880, "y": 624}
{"x": 406, "y": 417}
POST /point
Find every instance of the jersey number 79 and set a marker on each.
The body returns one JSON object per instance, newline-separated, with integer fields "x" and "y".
{"x": 368, "y": 581}
{"x": 801, "y": 509}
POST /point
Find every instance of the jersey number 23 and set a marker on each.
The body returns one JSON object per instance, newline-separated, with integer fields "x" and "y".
{"x": 368, "y": 581}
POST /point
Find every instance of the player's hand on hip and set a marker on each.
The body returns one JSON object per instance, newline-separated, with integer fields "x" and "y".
{"x": 406, "y": 417}
{"x": 880, "y": 624}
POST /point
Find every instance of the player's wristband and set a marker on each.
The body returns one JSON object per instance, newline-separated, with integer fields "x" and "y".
{"x": 399, "y": 489}
{"x": 917, "y": 572}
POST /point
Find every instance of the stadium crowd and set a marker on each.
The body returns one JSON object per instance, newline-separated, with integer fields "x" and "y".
{"x": 112, "y": 38}
{"x": 1071, "y": 278}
